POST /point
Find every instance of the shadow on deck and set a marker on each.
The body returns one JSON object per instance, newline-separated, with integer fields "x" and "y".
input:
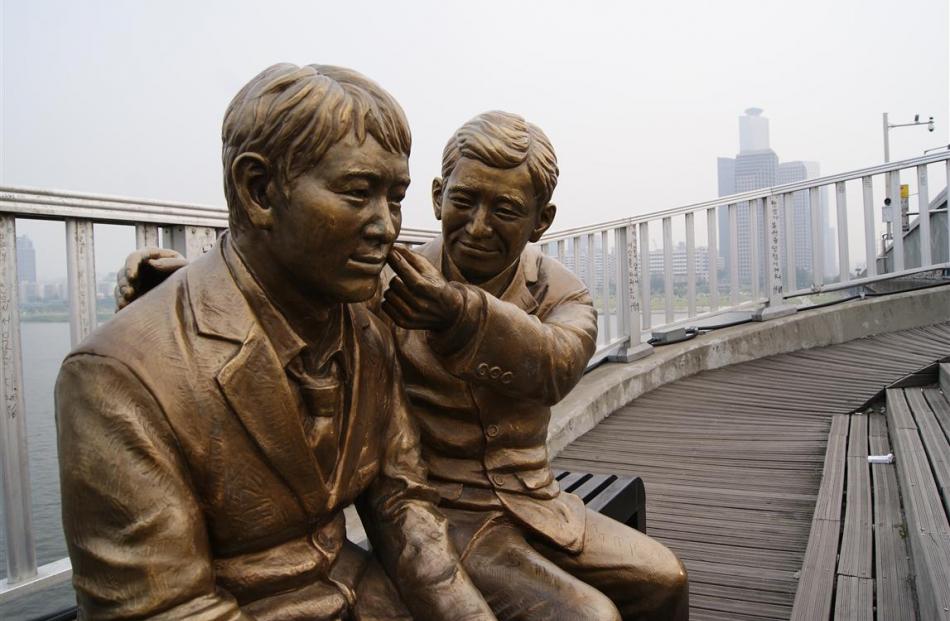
{"x": 733, "y": 463}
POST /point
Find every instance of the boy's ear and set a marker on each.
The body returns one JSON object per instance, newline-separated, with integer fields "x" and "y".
{"x": 545, "y": 219}
{"x": 437, "y": 187}
{"x": 251, "y": 175}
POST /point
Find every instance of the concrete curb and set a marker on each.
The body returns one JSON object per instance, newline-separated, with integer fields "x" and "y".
{"x": 614, "y": 385}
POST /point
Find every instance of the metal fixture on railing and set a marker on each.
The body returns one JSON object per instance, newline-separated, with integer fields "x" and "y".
{"x": 775, "y": 238}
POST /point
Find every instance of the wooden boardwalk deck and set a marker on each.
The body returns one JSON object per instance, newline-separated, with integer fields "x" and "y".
{"x": 732, "y": 460}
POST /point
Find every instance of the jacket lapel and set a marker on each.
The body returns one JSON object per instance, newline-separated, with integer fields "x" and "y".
{"x": 256, "y": 386}
{"x": 254, "y": 382}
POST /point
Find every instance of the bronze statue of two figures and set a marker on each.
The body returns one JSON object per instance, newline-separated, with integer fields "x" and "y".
{"x": 212, "y": 433}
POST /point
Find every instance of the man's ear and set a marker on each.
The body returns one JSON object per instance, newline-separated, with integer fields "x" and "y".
{"x": 251, "y": 175}
{"x": 545, "y": 219}
{"x": 437, "y": 187}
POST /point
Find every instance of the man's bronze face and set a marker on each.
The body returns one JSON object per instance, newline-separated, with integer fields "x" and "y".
{"x": 341, "y": 219}
{"x": 488, "y": 216}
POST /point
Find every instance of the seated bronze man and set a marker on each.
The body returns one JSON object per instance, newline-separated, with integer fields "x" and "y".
{"x": 210, "y": 438}
{"x": 491, "y": 333}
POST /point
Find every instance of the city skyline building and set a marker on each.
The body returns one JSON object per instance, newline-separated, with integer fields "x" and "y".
{"x": 757, "y": 166}
{"x": 25, "y": 259}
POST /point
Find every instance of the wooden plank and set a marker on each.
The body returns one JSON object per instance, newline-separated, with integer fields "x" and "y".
{"x": 855, "y": 559}
{"x": 895, "y": 596}
{"x": 935, "y": 442}
{"x": 828, "y": 504}
{"x": 854, "y": 599}
{"x": 940, "y": 406}
{"x": 927, "y": 527}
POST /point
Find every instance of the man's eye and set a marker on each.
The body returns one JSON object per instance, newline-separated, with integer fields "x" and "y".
{"x": 359, "y": 193}
{"x": 461, "y": 202}
{"x": 506, "y": 214}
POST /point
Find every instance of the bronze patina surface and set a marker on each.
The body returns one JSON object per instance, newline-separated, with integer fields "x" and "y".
{"x": 490, "y": 333}
{"x": 210, "y": 437}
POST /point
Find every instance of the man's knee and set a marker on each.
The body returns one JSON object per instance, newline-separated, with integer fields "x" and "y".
{"x": 592, "y": 604}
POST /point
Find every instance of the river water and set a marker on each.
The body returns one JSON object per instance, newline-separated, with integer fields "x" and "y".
{"x": 44, "y": 346}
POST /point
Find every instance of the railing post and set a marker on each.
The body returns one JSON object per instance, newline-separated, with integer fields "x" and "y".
{"x": 817, "y": 240}
{"x": 18, "y": 526}
{"x": 605, "y": 283}
{"x": 81, "y": 278}
{"x": 631, "y": 264}
{"x": 712, "y": 252}
{"x": 841, "y": 206}
{"x": 690, "y": 266}
{"x": 668, "y": 269}
{"x": 146, "y": 235}
{"x": 897, "y": 221}
{"x": 870, "y": 236}
{"x": 923, "y": 208}
{"x": 754, "y": 260}
{"x": 791, "y": 262}
{"x": 643, "y": 258}
{"x": 776, "y": 306}
{"x": 190, "y": 241}
{"x": 733, "y": 254}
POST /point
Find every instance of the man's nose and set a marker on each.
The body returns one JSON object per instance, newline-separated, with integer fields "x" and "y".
{"x": 384, "y": 225}
{"x": 478, "y": 225}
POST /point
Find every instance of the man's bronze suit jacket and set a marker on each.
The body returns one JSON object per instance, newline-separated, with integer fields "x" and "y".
{"x": 189, "y": 490}
{"x": 481, "y": 392}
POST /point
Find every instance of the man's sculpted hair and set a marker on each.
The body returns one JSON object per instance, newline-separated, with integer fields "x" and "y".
{"x": 292, "y": 115}
{"x": 505, "y": 140}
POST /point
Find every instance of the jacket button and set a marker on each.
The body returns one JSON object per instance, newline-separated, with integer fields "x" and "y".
{"x": 498, "y": 480}
{"x": 482, "y": 369}
{"x": 506, "y": 377}
{"x": 495, "y": 372}
{"x": 491, "y": 431}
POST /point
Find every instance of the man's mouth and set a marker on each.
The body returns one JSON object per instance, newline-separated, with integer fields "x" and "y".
{"x": 369, "y": 263}
{"x": 475, "y": 247}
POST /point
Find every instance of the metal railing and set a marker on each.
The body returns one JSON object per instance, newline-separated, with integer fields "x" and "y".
{"x": 743, "y": 251}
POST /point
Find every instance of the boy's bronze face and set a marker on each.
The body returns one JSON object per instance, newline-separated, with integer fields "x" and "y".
{"x": 488, "y": 216}
{"x": 341, "y": 218}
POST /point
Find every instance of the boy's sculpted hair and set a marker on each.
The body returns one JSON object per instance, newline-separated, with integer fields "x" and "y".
{"x": 504, "y": 140}
{"x": 292, "y": 115}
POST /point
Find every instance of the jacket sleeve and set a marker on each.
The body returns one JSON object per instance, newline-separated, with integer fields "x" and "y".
{"x": 409, "y": 534}
{"x": 500, "y": 346}
{"x": 134, "y": 529}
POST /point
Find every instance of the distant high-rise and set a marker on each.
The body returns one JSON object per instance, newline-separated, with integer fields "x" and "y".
{"x": 757, "y": 166}
{"x": 25, "y": 259}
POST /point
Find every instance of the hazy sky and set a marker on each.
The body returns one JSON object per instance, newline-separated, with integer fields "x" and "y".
{"x": 638, "y": 98}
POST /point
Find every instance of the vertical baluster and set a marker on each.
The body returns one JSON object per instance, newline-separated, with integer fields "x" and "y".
{"x": 589, "y": 257}
{"x": 870, "y": 237}
{"x": 190, "y": 241}
{"x": 773, "y": 268}
{"x": 623, "y": 293}
{"x": 817, "y": 240}
{"x": 754, "y": 244}
{"x": 733, "y": 254}
{"x": 844, "y": 259}
{"x": 146, "y": 235}
{"x": 712, "y": 255}
{"x": 576, "y": 249}
{"x": 923, "y": 207}
{"x": 561, "y": 252}
{"x": 81, "y": 278}
{"x": 690, "y": 266}
{"x": 668, "y": 269}
{"x": 635, "y": 264}
{"x": 18, "y": 525}
{"x": 645, "y": 284}
{"x": 791, "y": 261}
{"x": 605, "y": 278}
{"x": 897, "y": 219}
{"x": 948, "y": 210}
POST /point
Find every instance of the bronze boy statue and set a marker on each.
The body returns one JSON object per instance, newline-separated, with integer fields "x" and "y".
{"x": 490, "y": 333}
{"x": 210, "y": 438}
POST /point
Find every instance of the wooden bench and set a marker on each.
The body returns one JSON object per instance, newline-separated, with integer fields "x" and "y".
{"x": 620, "y": 498}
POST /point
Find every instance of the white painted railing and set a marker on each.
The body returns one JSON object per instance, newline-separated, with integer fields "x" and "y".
{"x": 638, "y": 289}
{"x": 746, "y": 251}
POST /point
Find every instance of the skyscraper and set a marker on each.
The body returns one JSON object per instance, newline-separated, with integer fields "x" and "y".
{"x": 25, "y": 259}
{"x": 757, "y": 166}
